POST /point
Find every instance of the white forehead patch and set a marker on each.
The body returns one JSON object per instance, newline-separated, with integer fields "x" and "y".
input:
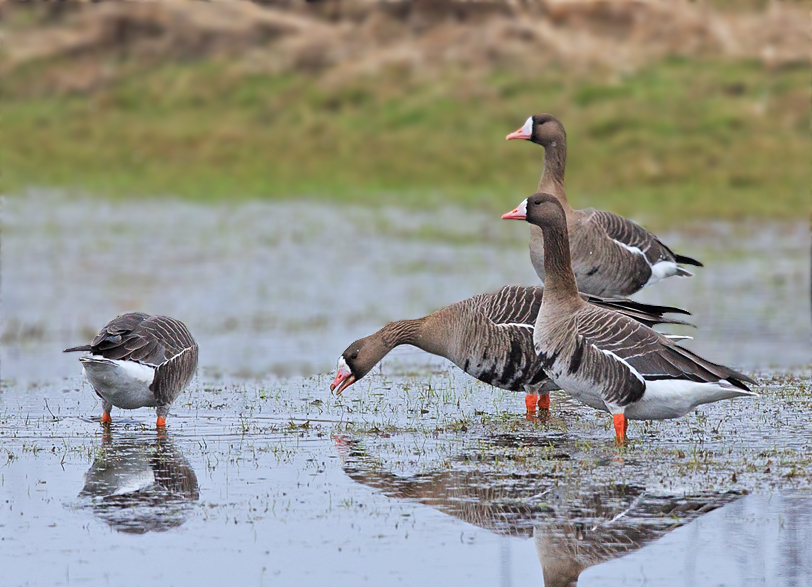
{"x": 523, "y": 207}
{"x": 343, "y": 368}
{"x": 528, "y": 126}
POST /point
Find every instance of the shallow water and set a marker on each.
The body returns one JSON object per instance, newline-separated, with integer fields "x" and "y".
{"x": 283, "y": 288}
{"x": 415, "y": 474}
{"x": 404, "y": 479}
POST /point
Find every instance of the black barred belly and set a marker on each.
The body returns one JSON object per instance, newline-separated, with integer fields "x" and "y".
{"x": 512, "y": 371}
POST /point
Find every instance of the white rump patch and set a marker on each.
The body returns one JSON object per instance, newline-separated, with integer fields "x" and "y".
{"x": 673, "y": 398}
{"x": 135, "y": 372}
{"x": 661, "y": 270}
{"x": 125, "y": 384}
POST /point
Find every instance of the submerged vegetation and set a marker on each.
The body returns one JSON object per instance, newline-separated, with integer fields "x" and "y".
{"x": 446, "y": 420}
{"x": 674, "y": 137}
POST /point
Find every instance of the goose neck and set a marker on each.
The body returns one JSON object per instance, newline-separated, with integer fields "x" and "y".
{"x": 559, "y": 283}
{"x": 552, "y": 177}
{"x": 403, "y": 332}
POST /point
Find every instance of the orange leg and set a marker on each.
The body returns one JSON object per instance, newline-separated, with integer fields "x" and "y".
{"x": 161, "y": 423}
{"x": 531, "y": 401}
{"x": 544, "y": 402}
{"x": 106, "y": 419}
{"x": 621, "y": 424}
{"x": 342, "y": 443}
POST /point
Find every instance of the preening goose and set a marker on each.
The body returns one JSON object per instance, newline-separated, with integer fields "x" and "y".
{"x": 602, "y": 357}
{"x": 137, "y": 360}
{"x": 611, "y": 255}
{"x": 489, "y": 336}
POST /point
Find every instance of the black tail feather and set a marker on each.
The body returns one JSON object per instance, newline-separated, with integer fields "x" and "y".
{"x": 647, "y": 314}
{"x": 740, "y": 379}
{"x": 84, "y": 347}
{"x": 687, "y": 260}
{"x": 642, "y": 307}
{"x": 732, "y": 376}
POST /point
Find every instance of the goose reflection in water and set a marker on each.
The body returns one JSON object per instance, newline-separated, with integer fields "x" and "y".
{"x": 575, "y": 523}
{"x": 140, "y": 485}
{"x": 605, "y": 522}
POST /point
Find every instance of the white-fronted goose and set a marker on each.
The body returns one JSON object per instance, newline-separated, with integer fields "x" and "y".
{"x": 137, "y": 360}
{"x": 138, "y": 485}
{"x": 489, "y": 336}
{"x": 602, "y": 357}
{"x": 611, "y": 255}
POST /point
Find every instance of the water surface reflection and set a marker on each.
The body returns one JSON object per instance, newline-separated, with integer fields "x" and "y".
{"x": 139, "y": 485}
{"x": 601, "y": 523}
{"x": 575, "y": 523}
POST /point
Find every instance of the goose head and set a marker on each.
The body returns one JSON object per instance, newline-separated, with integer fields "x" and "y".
{"x": 359, "y": 358}
{"x": 540, "y": 209}
{"x": 542, "y": 129}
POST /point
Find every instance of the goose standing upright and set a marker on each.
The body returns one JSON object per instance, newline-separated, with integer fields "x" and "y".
{"x": 603, "y": 358}
{"x": 611, "y": 255}
{"x": 489, "y": 336}
{"x": 137, "y": 360}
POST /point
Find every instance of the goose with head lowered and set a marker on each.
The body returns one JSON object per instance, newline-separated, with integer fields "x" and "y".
{"x": 604, "y": 359}
{"x": 489, "y": 336}
{"x": 137, "y": 360}
{"x": 611, "y": 255}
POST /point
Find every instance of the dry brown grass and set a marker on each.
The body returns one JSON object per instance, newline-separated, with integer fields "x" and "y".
{"x": 342, "y": 40}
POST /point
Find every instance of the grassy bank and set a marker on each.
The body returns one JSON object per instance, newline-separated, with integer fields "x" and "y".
{"x": 678, "y": 140}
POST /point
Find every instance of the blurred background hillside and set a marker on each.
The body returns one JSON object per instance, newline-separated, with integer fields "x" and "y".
{"x": 675, "y": 110}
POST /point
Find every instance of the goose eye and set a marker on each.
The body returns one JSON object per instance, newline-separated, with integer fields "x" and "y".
{"x": 354, "y": 356}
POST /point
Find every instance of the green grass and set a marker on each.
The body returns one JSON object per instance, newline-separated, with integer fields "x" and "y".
{"x": 673, "y": 142}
